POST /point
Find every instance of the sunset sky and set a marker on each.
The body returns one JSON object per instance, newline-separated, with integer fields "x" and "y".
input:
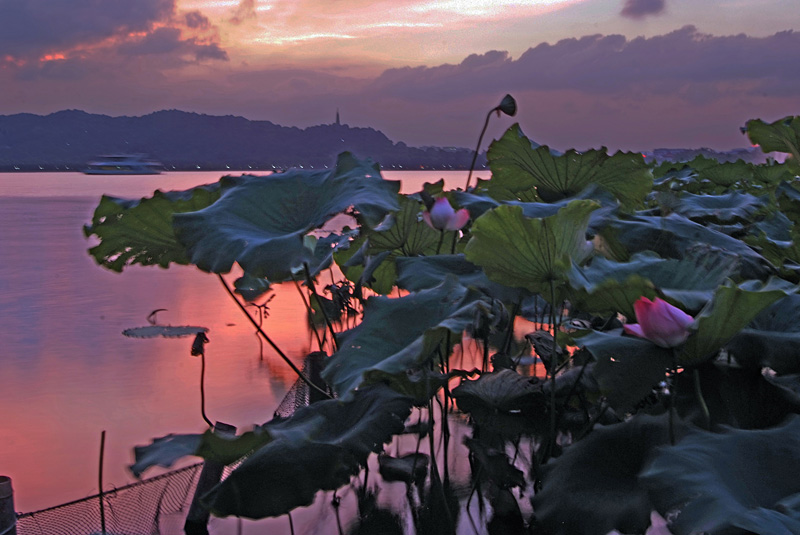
{"x": 626, "y": 74}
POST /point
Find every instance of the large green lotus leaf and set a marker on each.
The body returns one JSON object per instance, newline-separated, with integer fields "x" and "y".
{"x": 733, "y": 206}
{"x": 404, "y": 235}
{"x": 606, "y": 286}
{"x": 675, "y": 236}
{"x": 593, "y": 487}
{"x": 627, "y": 368}
{"x": 401, "y": 334}
{"x": 772, "y": 339}
{"x": 479, "y": 204}
{"x": 782, "y": 135}
{"x": 422, "y": 272}
{"x": 140, "y": 231}
{"x": 781, "y": 252}
{"x": 742, "y": 478}
{"x": 730, "y": 310}
{"x": 409, "y": 235}
{"x": 262, "y": 221}
{"x": 530, "y": 253}
{"x": 772, "y": 174}
{"x": 788, "y": 197}
{"x": 521, "y": 172}
{"x": 319, "y": 448}
{"x": 776, "y": 228}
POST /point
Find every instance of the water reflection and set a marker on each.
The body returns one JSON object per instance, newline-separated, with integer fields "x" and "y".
{"x": 67, "y": 372}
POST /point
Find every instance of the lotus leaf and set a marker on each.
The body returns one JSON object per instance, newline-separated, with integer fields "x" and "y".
{"x": 593, "y": 487}
{"x": 261, "y": 223}
{"x": 627, "y": 368}
{"x": 521, "y": 172}
{"x": 772, "y": 339}
{"x": 730, "y": 310}
{"x": 530, "y": 253}
{"x": 401, "y": 334}
{"x": 733, "y": 206}
{"x": 739, "y": 479}
{"x": 140, "y": 231}
{"x": 782, "y": 135}
{"x": 675, "y": 236}
{"x": 319, "y": 448}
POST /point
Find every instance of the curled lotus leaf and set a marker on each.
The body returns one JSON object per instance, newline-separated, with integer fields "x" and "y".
{"x": 140, "y": 231}
{"x": 261, "y": 222}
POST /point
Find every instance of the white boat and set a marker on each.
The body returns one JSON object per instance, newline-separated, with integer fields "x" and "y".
{"x": 123, "y": 164}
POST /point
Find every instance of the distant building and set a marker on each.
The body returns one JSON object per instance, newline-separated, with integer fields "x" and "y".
{"x": 338, "y": 123}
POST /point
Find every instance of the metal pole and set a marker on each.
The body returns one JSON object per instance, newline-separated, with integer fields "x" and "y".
{"x": 197, "y": 518}
{"x": 8, "y": 517}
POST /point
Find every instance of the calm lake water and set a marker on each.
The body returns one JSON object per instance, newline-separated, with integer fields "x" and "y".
{"x": 68, "y": 373}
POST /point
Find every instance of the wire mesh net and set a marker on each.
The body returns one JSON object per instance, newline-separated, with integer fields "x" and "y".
{"x": 148, "y": 507}
{"x": 136, "y": 509}
{"x": 301, "y": 394}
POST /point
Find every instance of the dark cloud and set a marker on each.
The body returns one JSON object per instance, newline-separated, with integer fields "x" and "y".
{"x": 196, "y": 20}
{"x": 170, "y": 41}
{"x": 684, "y": 88}
{"x": 31, "y": 28}
{"x": 612, "y": 64}
{"x": 638, "y": 9}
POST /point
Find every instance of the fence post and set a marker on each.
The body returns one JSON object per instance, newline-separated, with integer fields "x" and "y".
{"x": 197, "y": 518}
{"x": 8, "y": 517}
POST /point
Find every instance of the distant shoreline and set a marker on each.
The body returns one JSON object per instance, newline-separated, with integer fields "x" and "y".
{"x": 217, "y": 168}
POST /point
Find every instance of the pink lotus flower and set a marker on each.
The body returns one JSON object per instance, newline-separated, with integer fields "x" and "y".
{"x": 442, "y": 216}
{"x": 660, "y": 322}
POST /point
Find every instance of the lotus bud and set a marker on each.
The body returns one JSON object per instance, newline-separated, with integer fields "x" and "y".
{"x": 441, "y": 216}
{"x": 661, "y": 323}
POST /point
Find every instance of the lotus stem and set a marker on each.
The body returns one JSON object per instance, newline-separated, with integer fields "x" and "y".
{"x": 280, "y": 353}
{"x": 313, "y": 289}
{"x": 673, "y": 397}
{"x": 203, "y": 389}
{"x": 320, "y": 341}
{"x": 698, "y": 392}
{"x": 475, "y": 154}
{"x": 553, "y": 365}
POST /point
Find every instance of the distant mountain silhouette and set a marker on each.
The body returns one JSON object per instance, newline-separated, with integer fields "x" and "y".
{"x": 183, "y": 140}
